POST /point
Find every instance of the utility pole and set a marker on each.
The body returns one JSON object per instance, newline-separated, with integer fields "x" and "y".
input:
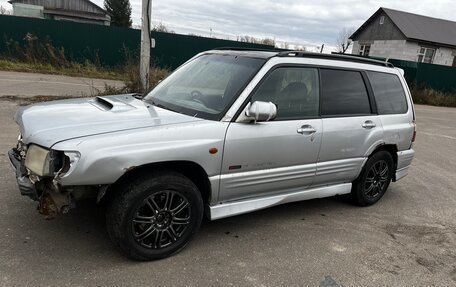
{"x": 144, "y": 64}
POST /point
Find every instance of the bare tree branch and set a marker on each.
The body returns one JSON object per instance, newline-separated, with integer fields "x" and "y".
{"x": 343, "y": 42}
{"x": 251, "y": 39}
{"x": 4, "y": 11}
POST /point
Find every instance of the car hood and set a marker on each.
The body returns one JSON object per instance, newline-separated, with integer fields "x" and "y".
{"x": 48, "y": 123}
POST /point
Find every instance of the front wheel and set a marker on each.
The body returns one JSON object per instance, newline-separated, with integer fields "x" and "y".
{"x": 153, "y": 217}
{"x": 374, "y": 179}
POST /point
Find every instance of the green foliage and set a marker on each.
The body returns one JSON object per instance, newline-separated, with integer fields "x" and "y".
{"x": 120, "y": 11}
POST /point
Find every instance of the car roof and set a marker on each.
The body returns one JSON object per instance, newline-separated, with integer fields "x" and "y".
{"x": 267, "y": 54}
{"x": 261, "y": 54}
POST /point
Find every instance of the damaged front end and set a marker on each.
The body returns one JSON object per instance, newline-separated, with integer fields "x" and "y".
{"x": 38, "y": 171}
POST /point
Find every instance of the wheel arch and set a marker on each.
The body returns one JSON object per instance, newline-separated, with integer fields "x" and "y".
{"x": 190, "y": 169}
{"x": 392, "y": 150}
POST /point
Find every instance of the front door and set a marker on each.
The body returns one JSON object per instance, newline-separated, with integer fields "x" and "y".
{"x": 280, "y": 155}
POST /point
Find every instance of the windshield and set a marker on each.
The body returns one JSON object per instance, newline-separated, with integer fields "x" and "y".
{"x": 206, "y": 86}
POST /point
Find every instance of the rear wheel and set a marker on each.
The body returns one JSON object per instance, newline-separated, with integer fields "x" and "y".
{"x": 374, "y": 180}
{"x": 153, "y": 217}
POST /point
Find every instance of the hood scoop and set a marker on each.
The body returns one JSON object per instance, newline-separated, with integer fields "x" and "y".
{"x": 113, "y": 104}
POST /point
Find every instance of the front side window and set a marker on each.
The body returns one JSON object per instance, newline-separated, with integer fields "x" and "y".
{"x": 206, "y": 86}
{"x": 388, "y": 92}
{"x": 426, "y": 55}
{"x": 294, "y": 90}
{"x": 343, "y": 93}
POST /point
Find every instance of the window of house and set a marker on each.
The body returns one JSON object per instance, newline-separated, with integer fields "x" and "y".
{"x": 382, "y": 20}
{"x": 364, "y": 50}
{"x": 294, "y": 90}
{"x": 426, "y": 55}
{"x": 388, "y": 92}
{"x": 343, "y": 93}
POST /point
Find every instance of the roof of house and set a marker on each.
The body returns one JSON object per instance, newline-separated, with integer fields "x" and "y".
{"x": 418, "y": 27}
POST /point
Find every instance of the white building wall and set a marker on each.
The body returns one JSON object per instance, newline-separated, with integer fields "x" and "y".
{"x": 26, "y": 10}
{"x": 444, "y": 56}
{"x": 395, "y": 49}
{"x": 404, "y": 50}
{"x": 355, "y": 48}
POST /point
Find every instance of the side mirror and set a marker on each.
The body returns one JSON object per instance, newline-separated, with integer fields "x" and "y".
{"x": 261, "y": 111}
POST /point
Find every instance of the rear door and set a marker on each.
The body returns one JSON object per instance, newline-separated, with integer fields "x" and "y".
{"x": 351, "y": 126}
{"x": 280, "y": 155}
{"x": 391, "y": 101}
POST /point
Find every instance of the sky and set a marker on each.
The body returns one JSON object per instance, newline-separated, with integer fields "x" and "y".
{"x": 308, "y": 23}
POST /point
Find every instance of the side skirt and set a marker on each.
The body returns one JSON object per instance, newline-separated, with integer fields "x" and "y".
{"x": 228, "y": 209}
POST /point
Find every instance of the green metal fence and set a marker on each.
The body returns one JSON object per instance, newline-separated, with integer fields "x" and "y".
{"x": 438, "y": 77}
{"x": 108, "y": 45}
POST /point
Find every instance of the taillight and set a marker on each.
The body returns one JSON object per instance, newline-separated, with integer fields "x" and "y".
{"x": 414, "y": 132}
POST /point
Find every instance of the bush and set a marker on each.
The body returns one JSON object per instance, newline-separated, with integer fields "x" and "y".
{"x": 429, "y": 96}
{"x": 133, "y": 81}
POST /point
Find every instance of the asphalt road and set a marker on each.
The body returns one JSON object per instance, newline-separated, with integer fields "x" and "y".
{"x": 406, "y": 239}
{"x": 32, "y": 84}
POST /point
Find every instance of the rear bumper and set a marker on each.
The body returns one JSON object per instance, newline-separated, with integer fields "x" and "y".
{"x": 404, "y": 160}
{"x": 26, "y": 187}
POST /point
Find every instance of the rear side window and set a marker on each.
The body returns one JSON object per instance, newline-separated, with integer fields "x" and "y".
{"x": 343, "y": 93}
{"x": 388, "y": 92}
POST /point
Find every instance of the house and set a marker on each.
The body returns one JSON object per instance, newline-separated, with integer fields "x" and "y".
{"x": 400, "y": 35}
{"x": 75, "y": 10}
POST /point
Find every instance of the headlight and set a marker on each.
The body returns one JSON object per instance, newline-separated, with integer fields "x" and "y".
{"x": 45, "y": 162}
{"x": 38, "y": 160}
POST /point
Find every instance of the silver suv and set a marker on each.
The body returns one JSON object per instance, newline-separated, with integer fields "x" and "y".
{"x": 229, "y": 132}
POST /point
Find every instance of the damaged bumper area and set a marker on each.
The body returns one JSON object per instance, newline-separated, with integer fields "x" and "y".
{"x": 26, "y": 187}
{"x": 51, "y": 201}
{"x": 52, "y": 198}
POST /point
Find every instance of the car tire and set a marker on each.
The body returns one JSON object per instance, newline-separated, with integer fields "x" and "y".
{"x": 153, "y": 217}
{"x": 374, "y": 179}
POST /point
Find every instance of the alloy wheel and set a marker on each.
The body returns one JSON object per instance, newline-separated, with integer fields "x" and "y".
{"x": 161, "y": 219}
{"x": 376, "y": 179}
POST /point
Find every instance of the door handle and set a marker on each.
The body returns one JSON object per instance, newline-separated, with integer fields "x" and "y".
{"x": 369, "y": 125}
{"x": 307, "y": 130}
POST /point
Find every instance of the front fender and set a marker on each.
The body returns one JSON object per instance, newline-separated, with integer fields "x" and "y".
{"x": 105, "y": 158}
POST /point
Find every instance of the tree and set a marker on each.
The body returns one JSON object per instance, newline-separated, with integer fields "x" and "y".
{"x": 267, "y": 41}
{"x": 343, "y": 41}
{"x": 120, "y": 11}
{"x": 160, "y": 27}
{"x": 251, "y": 39}
{"x": 4, "y": 11}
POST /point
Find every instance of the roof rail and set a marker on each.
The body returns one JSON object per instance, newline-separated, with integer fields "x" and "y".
{"x": 248, "y": 49}
{"x": 338, "y": 57}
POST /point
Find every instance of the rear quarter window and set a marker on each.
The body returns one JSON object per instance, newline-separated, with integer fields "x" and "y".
{"x": 388, "y": 92}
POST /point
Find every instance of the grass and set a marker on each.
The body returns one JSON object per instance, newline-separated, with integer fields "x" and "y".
{"x": 74, "y": 69}
{"x": 428, "y": 96}
{"x": 128, "y": 73}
